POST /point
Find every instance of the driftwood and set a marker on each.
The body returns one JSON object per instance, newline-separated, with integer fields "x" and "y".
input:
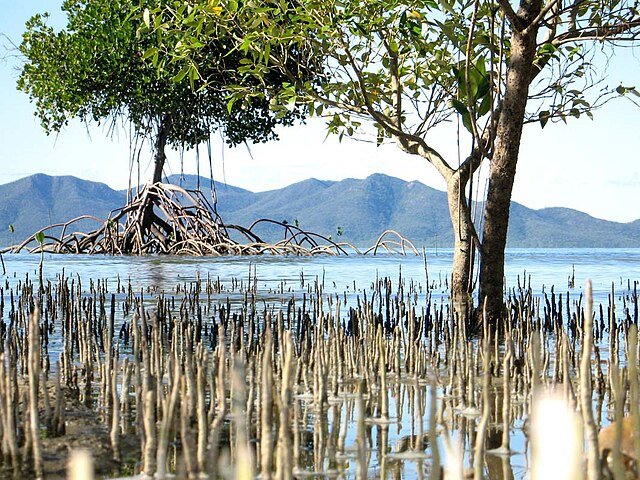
{"x": 168, "y": 219}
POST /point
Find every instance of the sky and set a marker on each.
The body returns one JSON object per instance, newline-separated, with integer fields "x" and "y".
{"x": 591, "y": 166}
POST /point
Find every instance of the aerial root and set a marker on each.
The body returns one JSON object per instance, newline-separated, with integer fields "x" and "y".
{"x": 391, "y": 245}
{"x": 168, "y": 219}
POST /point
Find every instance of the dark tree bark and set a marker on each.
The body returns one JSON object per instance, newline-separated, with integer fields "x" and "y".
{"x": 160, "y": 159}
{"x": 505, "y": 157}
{"x": 161, "y": 143}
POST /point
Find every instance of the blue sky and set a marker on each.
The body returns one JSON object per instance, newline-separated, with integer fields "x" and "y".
{"x": 592, "y": 166}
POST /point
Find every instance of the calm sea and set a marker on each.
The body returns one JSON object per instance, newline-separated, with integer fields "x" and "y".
{"x": 542, "y": 267}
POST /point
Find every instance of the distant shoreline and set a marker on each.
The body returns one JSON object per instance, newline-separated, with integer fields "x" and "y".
{"x": 358, "y": 209}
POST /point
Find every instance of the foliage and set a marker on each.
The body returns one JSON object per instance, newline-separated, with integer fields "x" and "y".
{"x": 96, "y": 69}
{"x": 373, "y": 55}
{"x": 407, "y": 66}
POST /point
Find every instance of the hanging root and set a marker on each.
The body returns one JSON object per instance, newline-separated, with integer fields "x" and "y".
{"x": 168, "y": 219}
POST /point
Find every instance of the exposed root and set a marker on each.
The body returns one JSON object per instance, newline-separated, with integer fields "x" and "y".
{"x": 168, "y": 219}
{"x": 392, "y": 245}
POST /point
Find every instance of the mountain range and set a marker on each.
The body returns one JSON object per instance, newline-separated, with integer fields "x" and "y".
{"x": 359, "y": 209}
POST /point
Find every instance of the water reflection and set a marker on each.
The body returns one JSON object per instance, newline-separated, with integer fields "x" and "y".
{"x": 398, "y": 447}
{"x": 542, "y": 267}
{"x": 380, "y": 431}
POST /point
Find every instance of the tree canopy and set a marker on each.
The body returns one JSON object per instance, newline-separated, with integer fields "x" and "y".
{"x": 96, "y": 69}
{"x": 407, "y": 66}
{"x": 99, "y": 69}
{"x": 404, "y": 65}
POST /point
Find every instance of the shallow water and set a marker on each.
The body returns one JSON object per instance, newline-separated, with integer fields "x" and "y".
{"x": 277, "y": 279}
{"x": 544, "y": 267}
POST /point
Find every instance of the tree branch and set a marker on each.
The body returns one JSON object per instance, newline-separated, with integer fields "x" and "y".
{"x": 536, "y": 21}
{"x": 511, "y": 15}
{"x": 600, "y": 33}
{"x": 396, "y": 85}
{"x": 408, "y": 142}
{"x": 465, "y": 174}
{"x": 467, "y": 68}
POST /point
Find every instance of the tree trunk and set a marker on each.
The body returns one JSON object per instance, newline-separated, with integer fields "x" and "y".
{"x": 159, "y": 161}
{"x": 502, "y": 172}
{"x": 161, "y": 143}
{"x": 461, "y": 286}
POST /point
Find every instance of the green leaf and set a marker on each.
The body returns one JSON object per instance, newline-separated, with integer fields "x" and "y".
{"x": 267, "y": 53}
{"x": 291, "y": 103}
{"x": 181, "y": 74}
{"x": 481, "y": 67}
{"x": 547, "y": 49}
{"x": 478, "y": 81}
{"x": 193, "y": 76}
{"x": 40, "y": 237}
{"x": 230, "y": 104}
{"x": 146, "y": 17}
{"x": 459, "y": 74}
{"x": 460, "y": 107}
{"x": 466, "y": 121}
{"x": 485, "y": 106}
{"x": 153, "y": 51}
{"x": 447, "y": 6}
{"x": 543, "y": 117}
{"x": 482, "y": 88}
